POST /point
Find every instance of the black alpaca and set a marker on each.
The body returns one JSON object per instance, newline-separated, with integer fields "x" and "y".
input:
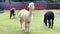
{"x": 49, "y": 16}
{"x": 12, "y": 13}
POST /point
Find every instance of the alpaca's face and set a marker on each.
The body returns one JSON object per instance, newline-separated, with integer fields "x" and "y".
{"x": 31, "y": 5}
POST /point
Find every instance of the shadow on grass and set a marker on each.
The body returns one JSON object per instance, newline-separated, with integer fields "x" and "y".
{"x": 22, "y": 32}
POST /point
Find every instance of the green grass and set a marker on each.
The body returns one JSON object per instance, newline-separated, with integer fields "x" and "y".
{"x": 12, "y": 26}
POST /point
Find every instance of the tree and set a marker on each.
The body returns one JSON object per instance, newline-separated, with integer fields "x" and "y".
{"x": 52, "y": 1}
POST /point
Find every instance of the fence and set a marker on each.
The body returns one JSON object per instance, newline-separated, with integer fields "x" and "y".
{"x": 39, "y": 5}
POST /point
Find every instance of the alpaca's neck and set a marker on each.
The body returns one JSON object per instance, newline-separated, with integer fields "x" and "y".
{"x": 30, "y": 10}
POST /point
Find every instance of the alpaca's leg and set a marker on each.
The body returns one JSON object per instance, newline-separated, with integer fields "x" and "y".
{"x": 45, "y": 21}
{"x": 10, "y": 15}
{"x": 25, "y": 25}
{"x": 21, "y": 22}
{"x": 52, "y": 23}
{"x": 13, "y": 15}
{"x": 28, "y": 26}
{"x": 49, "y": 23}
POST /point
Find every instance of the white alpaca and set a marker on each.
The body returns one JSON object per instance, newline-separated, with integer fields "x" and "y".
{"x": 26, "y": 16}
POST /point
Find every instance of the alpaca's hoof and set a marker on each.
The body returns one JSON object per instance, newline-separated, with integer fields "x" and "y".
{"x": 46, "y": 25}
{"x": 27, "y": 31}
{"x": 13, "y": 17}
{"x": 22, "y": 29}
{"x": 10, "y": 18}
{"x": 52, "y": 27}
{"x": 49, "y": 27}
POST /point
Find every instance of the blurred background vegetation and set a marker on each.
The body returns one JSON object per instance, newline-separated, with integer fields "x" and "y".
{"x": 48, "y": 1}
{"x": 52, "y": 1}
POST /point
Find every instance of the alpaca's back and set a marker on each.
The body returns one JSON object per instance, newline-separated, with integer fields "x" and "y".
{"x": 24, "y": 14}
{"x": 49, "y": 15}
{"x": 12, "y": 11}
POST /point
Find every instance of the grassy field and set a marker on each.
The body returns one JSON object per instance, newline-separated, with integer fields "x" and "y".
{"x": 12, "y": 26}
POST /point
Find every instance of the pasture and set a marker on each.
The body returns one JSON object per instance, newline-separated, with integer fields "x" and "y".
{"x": 37, "y": 26}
